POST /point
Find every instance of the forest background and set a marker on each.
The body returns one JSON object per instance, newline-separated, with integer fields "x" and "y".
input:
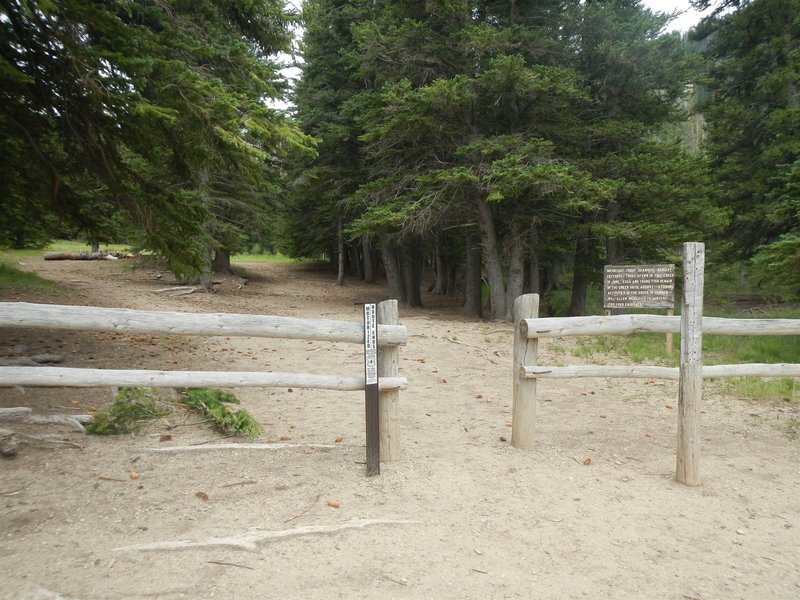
{"x": 501, "y": 146}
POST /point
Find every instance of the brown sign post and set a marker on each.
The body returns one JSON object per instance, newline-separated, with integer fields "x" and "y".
{"x": 371, "y": 407}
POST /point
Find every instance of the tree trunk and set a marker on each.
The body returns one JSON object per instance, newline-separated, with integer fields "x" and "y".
{"x": 614, "y": 250}
{"x": 340, "y": 247}
{"x": 356, "y": 264}
{"x": 369, "y": 265}
{"x": 20, "y": 238}
{"x": 580, "y": 278}
{"x": 516, "y": 269}
{"x": 411, "y": 272}
{"x": 205, "y": 273}
{"x": 205, "y": 269}
{"x": 535, "y": 279}
{"x": 552, "y": 277}
{"x": 391, "y": 265}
{"x": 473, "y": 297}
{"x": 440, "y": 286}
{"x": 491, "y": 260}
{"x": 222, "y": 261}
{"x": 95, "y": 246}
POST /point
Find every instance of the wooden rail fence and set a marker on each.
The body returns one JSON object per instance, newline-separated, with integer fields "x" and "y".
{"x": 691, "y": 325}
{"x": 88, "y": 318}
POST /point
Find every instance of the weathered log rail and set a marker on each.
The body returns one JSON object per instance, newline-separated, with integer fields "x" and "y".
{"x": 88, "y": 318}
{"x": 691, "y": 325}
{"x": 629, "y": 324}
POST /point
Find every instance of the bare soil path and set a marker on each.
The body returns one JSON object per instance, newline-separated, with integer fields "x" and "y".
{"x": 461, "y": 515}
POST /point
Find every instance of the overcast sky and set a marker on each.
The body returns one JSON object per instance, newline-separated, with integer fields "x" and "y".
{"x": 684, "y": 21}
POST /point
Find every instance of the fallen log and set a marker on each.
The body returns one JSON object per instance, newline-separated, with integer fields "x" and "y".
{"x": 10, "y": 442}
{"x": 31, "y": 361}
{"x": 24, "y": 414}
{"x": 84, "y": 255}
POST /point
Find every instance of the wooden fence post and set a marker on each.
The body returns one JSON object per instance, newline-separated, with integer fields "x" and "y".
{"x": 690, "y": 393}
{"x": 389, "y": 400}
{"x": 523, "y": 418}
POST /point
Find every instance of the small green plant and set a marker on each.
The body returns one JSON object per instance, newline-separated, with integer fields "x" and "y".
{"x": 130, "y": 409}
{"x": 213, "y": 405}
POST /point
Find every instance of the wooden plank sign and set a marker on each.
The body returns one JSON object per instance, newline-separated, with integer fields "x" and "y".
{"x": 371, "y": 406}
{"x": 639, "y": 286}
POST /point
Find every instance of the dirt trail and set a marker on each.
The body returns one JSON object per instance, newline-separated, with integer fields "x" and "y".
{"x": 461, "y": 515}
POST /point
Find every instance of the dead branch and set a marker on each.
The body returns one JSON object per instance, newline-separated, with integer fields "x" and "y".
{"x": 243, "y": 446}
{"x": 75, "y": 421}
{"x": 16, "y": 491}
{"x": 11, "y": 440}
{"x": 31, "y": 361}
{"x": 250, "y": 540}
{"x": 248, "y": 482}
{"x": 229, "y": 564}
{"x": 305, "y": 510}
{"x": 24, "y": 414}
{"x": 17, "y": 413}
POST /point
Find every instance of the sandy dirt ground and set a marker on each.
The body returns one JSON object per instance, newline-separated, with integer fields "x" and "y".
{"x": 593, "y": 512}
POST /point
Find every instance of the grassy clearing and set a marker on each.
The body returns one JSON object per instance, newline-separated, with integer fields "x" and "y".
{"x": 269, "y": 258}
{"x": 755, "y": 388}
{"x": 273, "y": 258}
{"x": 14, "y": 281}
{"x": 57, "y": 246}
{"x": 76, "y": 246}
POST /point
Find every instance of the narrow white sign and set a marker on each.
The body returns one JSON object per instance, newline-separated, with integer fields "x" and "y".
{"x": 370, "y": 344}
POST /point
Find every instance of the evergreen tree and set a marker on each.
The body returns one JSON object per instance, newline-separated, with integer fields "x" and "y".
{"x": 503, "y": 134}
{"x": 754, "y": 130}
{"x": 156, "y": 106}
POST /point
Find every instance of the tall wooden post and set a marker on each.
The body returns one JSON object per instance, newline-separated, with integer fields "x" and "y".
{"x": 690, "y": 393}
{"x": 523, "y": 418}
{"x": 389, "y": 400}
{"x": 668, "y": 346}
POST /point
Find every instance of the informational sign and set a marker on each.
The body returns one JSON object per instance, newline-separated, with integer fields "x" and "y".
{"x": 370, "y": 344}
{"x": 371, "y": 400}
{"x": 639, "y": 286}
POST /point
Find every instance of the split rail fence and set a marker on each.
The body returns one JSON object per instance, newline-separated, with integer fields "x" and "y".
{"x": 691, "y": 325}
{"x": 86, "y": 318}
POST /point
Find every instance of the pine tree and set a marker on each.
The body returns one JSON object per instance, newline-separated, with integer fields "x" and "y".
{"x": 754, "y": 131}
{"x": 152, "y": 104}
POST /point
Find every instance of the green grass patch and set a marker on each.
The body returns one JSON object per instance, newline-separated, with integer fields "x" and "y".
{"x": 751, "y": 349}
{"x": 756, "y": 388}
{"x": 15, "y": 281}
